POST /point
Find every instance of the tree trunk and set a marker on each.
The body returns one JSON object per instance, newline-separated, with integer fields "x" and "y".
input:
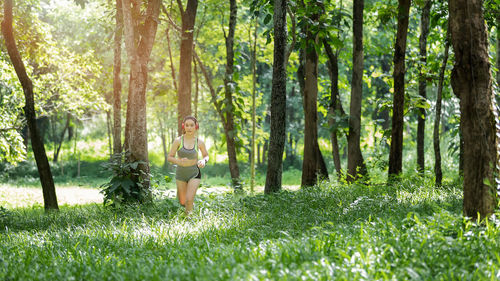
{"x": 196, "y": 89}
{"x": 313, "y": 165}
{"x": 139, "y": 40}
{"x": 498, "y": 55}
{"x": 186, "y": 56}
{"x": 61, "y": 139}
{"x": 109, "y": 126}
{"x": 396, "y": 152}
{"x": 254, "y": 111}
{"x": 437, "y": 121}
{"x": 278, "y": 101}
{"x": 228, "y": 86}
{"x": 471, "y": 80}
{"x": 422, "y": 84}
{"x": 48, "y": 189}
{"x": 335, "y": 109}
{"x": 117, "y": 83}
{"x": 163, "y": 138}
{"x": 355, "y": 163}
{"x": 172, "y": 67}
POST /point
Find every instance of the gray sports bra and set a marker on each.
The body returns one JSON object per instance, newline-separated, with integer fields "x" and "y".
{"x": 187, "y": 173}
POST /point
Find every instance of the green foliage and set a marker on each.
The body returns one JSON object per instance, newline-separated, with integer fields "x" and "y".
{"x": 122, "y": 188}
{"x": 412, "y": 231}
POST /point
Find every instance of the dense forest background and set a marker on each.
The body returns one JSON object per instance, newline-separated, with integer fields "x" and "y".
{"x": 79, "y": 93}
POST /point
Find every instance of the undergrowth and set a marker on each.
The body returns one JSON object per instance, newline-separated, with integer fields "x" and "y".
{"x": 408, "y": 231}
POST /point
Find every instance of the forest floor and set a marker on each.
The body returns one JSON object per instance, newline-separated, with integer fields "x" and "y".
{"x": 410, "y": 230}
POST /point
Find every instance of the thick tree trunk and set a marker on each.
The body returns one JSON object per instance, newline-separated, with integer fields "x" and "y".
{"x": 422, "y": 84}
{"x": 396, "y": 152}
{"x": 498, "y": 55}
{"x": 117, "y": 83}
{"x": 139, "y": 40}
{"x": 186, "y": 56}
{"x": 355, "y": 162}
{"x": 437, "y": 121}
{"x": 335, "y": 108}
{"x": 48, "y": 189}
{"x": 471, "y": 80}
{"x": 278, "y": 101}
{"x": 228, "y": 86}
{"x": 313, "y": 166}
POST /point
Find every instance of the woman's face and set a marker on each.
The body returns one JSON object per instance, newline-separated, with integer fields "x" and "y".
{"x": 189, "y": 126}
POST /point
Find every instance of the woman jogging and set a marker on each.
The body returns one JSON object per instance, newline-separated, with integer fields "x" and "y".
{"x": 188, "y": 174}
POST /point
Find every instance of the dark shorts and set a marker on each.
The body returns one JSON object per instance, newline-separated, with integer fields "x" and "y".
{"x": 186, "y": 173}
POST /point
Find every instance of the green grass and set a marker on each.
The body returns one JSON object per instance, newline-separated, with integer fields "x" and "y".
{"x": 410, "y": 231}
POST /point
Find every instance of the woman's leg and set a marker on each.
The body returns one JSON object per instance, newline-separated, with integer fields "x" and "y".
{"x": 181, "y": 192}
{"x": 192, "y": 187}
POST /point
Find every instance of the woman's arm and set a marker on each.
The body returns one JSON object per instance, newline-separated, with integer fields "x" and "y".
{"x": 173, "y": 149}
{"x": 204, "y": 153}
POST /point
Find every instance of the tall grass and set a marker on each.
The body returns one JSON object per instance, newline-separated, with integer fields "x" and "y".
{"x": 408, "y": 231}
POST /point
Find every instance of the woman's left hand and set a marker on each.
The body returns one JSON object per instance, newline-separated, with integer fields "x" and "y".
{"x": 201, "y": 163}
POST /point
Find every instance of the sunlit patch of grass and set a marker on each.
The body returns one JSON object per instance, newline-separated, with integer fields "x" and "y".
{"x": 18, "y": 197}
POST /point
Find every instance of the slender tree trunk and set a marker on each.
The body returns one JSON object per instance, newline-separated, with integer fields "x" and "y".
{"x": 117, "y": 83}
{"x": 228, "y": 86}
{"x": 254, "y": 89}
{"x": 437, "y": 121}
{"x": 48, "y": 189}
{"x": 396, "y": 152}
{"x": 140, "y": 32}
{"x": 61, "y": 139}
{"x": 196, "y": 89}
{"x": 172, "y": 67}
{"x": 278, "y": 101}
{"x": 355, "y": 162}
{"x": 335, "y": 108}
{"x": 163, "y": 138}
{"x": 422, "y": 84}
{"x": 109, "y": 126}
{"x": 471, "y": 80}
{"x": 186, "y": 56}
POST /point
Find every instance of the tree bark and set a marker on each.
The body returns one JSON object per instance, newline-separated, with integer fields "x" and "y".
{"x": 46, "y": 180}
{"x": 186, "y": 56}
{"x": 437, "y": 121}
{"x": 117, "y": 83}
{"x": 396, "y": 152}
{"x": 422, "y": 84}
{"x": 228, "y": 98}
{"x": 278, "y": 101}
{"x": 355, "y": 163}
{"x": 313, "y": 165}
{"x": 139, "y": 40}
{"x": 335, "y": 108}
{"x": 471, "y": 80}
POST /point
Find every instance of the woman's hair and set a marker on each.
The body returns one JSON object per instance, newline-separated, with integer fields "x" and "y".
{"x": 190, "y": 117}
